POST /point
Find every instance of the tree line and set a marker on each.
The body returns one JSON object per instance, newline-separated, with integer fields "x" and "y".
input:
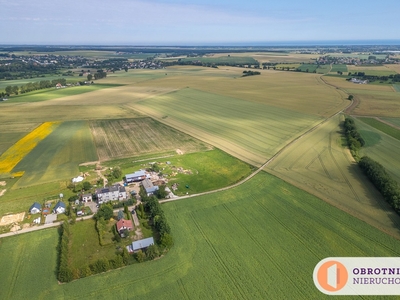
{"x": 34, "y": 86}
{"x": 375, "y": 172}
{"x": 363, "y": 76}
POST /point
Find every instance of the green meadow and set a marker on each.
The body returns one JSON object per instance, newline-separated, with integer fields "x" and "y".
{"x": 282, "y": 233}
{"x": 389, "y": 130}
{"x": 228, "y": 60}
{"x": 339, "y": 68}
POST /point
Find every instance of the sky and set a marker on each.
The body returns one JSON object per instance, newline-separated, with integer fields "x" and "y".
{"x": 195, "y": 22}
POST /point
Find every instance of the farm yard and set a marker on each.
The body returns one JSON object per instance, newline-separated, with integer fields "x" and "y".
{"x": 135, "y": 137}
{"x": 205, "y": 261}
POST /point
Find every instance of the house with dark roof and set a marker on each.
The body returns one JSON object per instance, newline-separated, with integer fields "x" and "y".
{"x": 140, "y": 245}
{"x": 123, "y": 225}
{"x": 59, "y": 208}
{"x": 111, "y": 193}
{"x": 149, "y": 187}
{"x": 35, "y": 208}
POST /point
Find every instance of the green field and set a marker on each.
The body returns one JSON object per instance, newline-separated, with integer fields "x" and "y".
{"x": 310, "y": 67}
{"x": 321, "y": 164}
{"x": 323, "y": 69}
{"x": 228, "y": 60}
{"x": 19, "y": 82}
{"x": 237, "y": 244}
{"x": 397, "y": 87}
{"x": 381, "y": 148}
{"x": 393, "y": 132}
{"x": 135, "y": 137}
{"x": 339, "y": 68}
{"x": 57, "y": 157}
{"x": 250, "y": 131}
{"x": 394, "y": 121}
{"x": 49, "y": 94}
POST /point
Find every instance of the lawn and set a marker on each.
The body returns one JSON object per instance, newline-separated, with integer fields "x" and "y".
{"x": 128, "y": 137}
{"x": 250, "y": 131}
{"x": 49, "y": 94}
{"x": 321, "y": 164}
{"x": 237, "y": 244}
{"x": 57, "y": 157}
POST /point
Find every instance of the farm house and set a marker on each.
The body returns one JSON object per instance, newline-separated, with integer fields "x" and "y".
{"x": 112, "y": 193}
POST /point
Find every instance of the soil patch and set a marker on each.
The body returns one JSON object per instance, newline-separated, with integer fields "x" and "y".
{"x": 9, "y": 219}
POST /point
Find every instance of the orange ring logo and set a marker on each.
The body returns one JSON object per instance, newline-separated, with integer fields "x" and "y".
{"x": 332, "y": 276}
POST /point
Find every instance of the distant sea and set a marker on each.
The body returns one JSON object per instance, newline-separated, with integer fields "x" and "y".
{"x": 315, "y": 43}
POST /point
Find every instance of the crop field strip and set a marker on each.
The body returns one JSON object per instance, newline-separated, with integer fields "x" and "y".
{"x": 133, "y": 137}
{"x": 381, "y": 147}
{"x": 255, "y": 127}
{"x": 277, "y": 226}
{"x": 11, "y": 157}
{"x": 49, "y": 94}
{"x": 303, "y": 92}
{"x": 385, "y": 128}
{"x": 321, "y": 165}
{"x": 57, "y": 157}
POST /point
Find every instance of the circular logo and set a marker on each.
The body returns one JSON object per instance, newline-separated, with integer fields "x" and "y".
{"x": 332, "y": 276}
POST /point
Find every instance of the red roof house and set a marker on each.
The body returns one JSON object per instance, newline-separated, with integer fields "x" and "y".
{"x": 124, "y": 224}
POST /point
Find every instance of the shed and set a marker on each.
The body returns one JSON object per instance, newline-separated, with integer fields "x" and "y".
{"x": 149, "y": 187}
{"x": 137, "y": 176}
{"x": 141, "y": 244}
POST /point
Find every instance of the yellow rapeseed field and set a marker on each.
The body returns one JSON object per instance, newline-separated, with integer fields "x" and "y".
{"x": 10, "y": 158}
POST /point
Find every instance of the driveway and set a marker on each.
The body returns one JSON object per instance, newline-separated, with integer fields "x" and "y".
{"x": 50, "y": 218}
{"x": 92, "y": 206}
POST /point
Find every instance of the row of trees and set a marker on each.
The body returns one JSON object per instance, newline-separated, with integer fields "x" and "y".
{"x": 66, "y": 273}
{"x": 250, "y": 73}
{"x": 362, "y": 75}
{"x": 354, "y": 139}
{"x": 377, "y": 174}
{"x": 33, "y": 86}
{"x": 159, "y": 221}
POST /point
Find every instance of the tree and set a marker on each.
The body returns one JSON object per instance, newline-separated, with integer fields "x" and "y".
{"x": 125, "y": 256}
{"x": 15, "y": 89}
{"x": 351, "y": 97}
{"x": 116, "y": 172}
{"x": 89, "y": 77}
{"x": 166, "y": 241}
{"x": 105, "y": 211}
{"x": 9, "y": 89}
{"x": 87, "y": 186}
{"x": 152, "y": 252}
{"x": 140, "y": 256}
{"x": 126, "y": 69}
{"x": 120, "y": 215}
{"x": 161, "y": 193}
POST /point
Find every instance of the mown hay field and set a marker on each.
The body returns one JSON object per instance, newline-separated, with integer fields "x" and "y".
{"x": 12, "y": 156}
{"x": 381, "y": 147}
{"x": 321, "y": 164}
{"x": 57, "y": 157}
{"x": 250, "y": 131}
{"x": 236, "y": 244}
{"x": 134, "y": 137}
